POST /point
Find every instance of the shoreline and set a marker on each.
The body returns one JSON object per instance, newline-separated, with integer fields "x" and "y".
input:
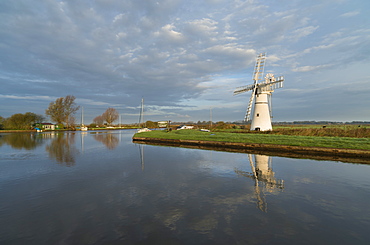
{"x": 56, "y": 130}
{"x": 317, "y": 153}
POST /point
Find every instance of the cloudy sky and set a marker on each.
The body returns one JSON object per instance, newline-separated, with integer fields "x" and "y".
{"x": 185, "y": 57}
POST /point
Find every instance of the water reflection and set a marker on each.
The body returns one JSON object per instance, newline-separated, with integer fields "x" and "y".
{"x": 141, "y": 151}
{"x": 63, "y": 149}
{"x": 83, "y": 135}
{"x": 108, "y": 139}
{"x": 21, "y": 140}
{"x": 184, "y": 196}
{"x": 264, "y": 178}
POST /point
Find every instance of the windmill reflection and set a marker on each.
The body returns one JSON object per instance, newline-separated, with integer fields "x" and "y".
{"x": 264, "y": 178}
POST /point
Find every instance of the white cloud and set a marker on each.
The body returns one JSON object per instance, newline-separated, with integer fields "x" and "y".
{"x": 310, "y": 68}
{"x": 316, "y": 48}
{"x": 91, "y": 102}
{"x": 167, "y": 33}
{"x": 119, "y": 17}
{"x": 30, "y": 97}
{"x": 303, "y": 32}
{"x": 203, "y": 27}
{"x": 350, "y": 14}
{"x": 272, "y": 58}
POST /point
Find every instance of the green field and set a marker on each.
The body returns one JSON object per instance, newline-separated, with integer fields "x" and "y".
{"x": 263, "y": 138}
{"x": 352, "y": 131}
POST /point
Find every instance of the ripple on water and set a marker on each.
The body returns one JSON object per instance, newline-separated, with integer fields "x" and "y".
{"x": 17, "y": 156}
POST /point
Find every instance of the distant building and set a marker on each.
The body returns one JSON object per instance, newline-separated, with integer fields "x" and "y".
{"x": 162, "y": 124}
{"x": 47, "y": 126}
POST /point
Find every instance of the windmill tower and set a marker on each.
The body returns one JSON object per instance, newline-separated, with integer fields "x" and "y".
{"x": 261, "y": 94}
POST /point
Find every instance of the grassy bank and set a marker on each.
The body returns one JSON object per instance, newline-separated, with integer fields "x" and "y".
{"x": 353, "y": 131}
{"x": 17, "y": 131}
{"x": 262, "y": 138}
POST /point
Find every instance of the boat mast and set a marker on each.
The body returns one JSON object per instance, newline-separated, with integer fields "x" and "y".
{"x": 141, "y": 117}
{"x": 82, "y": 116}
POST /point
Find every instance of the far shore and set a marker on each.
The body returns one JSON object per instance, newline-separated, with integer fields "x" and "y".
{"x": 58, "y": 130}
{"x": 19, "y": 131}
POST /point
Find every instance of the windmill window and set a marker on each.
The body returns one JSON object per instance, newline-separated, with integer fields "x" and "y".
{"x": 258, "y": 114}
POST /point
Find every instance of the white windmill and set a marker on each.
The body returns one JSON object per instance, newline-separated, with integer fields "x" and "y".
{"x": 261, "y": 93}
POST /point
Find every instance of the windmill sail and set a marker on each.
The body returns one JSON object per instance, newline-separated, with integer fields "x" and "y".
{"x": 271, "y": 83}
{"x": 257, "y": 75}
{"x": 243, "y": 89}
{"x": 250, "y": 104}
{"x": 259, "y": 68}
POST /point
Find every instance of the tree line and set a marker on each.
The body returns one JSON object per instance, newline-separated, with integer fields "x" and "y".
{"x": 20, "y": 121}
{"x": 61, "y": 111}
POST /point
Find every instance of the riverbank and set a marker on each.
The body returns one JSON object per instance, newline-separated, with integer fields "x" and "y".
{"x": 59, "y": 130}
{"x": 18, "y": 131}
{"x": 322, "y": 148}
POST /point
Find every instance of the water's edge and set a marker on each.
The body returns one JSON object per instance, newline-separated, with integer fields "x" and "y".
{"x": 315, "y": 153}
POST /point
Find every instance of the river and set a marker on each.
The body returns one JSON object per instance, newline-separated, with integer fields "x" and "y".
{"x": 98, "y": 187}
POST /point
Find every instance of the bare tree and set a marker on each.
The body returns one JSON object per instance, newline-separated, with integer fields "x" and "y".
{"x": 70, "y": 108}
{"x": 62, "y": 109}
{"x": 98, "y": 120}
{"x": 72, "y": 122}
{"x": 55, "y": 111}
{"x": 110, "y": 115}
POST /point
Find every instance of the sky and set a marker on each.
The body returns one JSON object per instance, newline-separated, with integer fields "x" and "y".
{"x": 185, "y": 57}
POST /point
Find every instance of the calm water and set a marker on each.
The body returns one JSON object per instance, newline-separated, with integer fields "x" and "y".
{"x": 100, "y": 188}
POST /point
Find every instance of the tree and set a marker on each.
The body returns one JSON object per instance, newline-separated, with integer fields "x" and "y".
{"x": 98, "y": 120}
{"x": 62, "y": 109}
{"x": 110, "y": 115}
{"x": 15, "y": 121}
{"x": 72, "y": 122}
{"x": 151, "y": 124}
{"x": 55, "y": 111}
{"x": 22, "y": 121}
{"x": 33, "y": 118}
{"x": 70, "y": 108}
{"x": 2, "y": 120}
